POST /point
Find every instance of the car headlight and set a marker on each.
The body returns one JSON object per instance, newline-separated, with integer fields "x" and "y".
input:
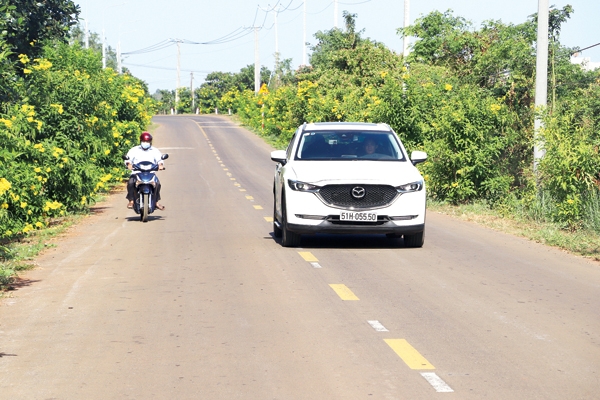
{"x": 410, "y": 187}
{"x": 302, "y": 186}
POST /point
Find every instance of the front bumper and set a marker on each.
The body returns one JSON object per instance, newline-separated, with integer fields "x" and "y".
{"x": 307, "y": 214}
{"x": 356, "y": 228}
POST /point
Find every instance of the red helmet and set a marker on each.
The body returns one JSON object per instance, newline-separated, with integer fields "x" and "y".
{"x": 146, "y": 137}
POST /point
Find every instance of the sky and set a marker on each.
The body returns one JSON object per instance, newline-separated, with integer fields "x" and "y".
{"x": 226, "y": 42}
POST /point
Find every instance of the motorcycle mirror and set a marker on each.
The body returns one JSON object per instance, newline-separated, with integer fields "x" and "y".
{"x": 164, "y": 156}
{"x": 125, "y": 157}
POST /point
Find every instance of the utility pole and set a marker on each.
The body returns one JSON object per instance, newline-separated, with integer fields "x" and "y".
{"x": 87, "y": 35}
{"x": 177, "y": 84}
{"x": 119, "y": 66}
{"x": 406, "y": 24}
{"x": 103, "y": 50}
{"x": 277, "y": 81}
{"x": 87, "y": 32}
{"x": 335, "y": 13}
{"x": 541, "y": 80}
{"x": 304, "y": 37}
{"x": 256, "y": 62}
{"x": 192, "y": 89}
{"x": 276, "y": 34}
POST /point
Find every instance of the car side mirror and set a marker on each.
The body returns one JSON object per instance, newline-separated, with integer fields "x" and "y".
{"x": 279, "y": 156}
{"x": 417, "y": 157}
{"x": 164, "y": 157}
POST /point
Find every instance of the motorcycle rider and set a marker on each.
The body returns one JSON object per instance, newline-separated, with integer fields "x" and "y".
{"x": 143, "y": 152}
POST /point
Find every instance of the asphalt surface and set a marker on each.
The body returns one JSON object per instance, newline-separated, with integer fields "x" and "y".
{"x": 201, "y": 302}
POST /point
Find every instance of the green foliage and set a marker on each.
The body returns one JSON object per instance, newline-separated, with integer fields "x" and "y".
{"x": 165, "y": 100}
{"x": 184, "y": 106}
{"x": 571, "y": 166}
{"x": 444, "y": 39}
{"x": 26, "y": 24}
{"x": 218, "y": 84}
{"x": 464, "y": 96}
{"x": 61, "y": 143}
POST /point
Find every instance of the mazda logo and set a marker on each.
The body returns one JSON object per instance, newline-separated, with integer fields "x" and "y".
{"x": 358, "y": 192}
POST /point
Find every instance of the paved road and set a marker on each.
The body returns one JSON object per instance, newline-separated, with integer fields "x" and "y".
{"x": 202, "y": 303}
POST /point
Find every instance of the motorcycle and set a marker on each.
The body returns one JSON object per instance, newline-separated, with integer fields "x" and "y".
{"x": 144, "y": 203}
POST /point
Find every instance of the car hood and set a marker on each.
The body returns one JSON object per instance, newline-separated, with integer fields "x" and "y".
{"x": 366, "y": 172}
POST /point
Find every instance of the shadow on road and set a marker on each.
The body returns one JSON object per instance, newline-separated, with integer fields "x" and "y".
{"x": 98, "y": 210}
{"x": 150, "y": 218}
{"x": 326, "y": 241}
{"x": 19, "y": 283}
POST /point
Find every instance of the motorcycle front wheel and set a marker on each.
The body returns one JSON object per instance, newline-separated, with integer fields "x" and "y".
{"x": 145, "y": 207}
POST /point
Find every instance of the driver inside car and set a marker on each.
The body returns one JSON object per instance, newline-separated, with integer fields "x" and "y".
{"x": 370, "y": 146}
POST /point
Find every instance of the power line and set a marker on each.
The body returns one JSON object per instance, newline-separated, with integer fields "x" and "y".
{"x": 353, "y": 4}
{"x": 155, "y": 47}
{"x": 167, "y": 68}
{"x": 586, "y": 48}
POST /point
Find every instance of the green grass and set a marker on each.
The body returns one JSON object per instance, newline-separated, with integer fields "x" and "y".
{"x": 18, "y": 254}
{"x": 584, "y": 242}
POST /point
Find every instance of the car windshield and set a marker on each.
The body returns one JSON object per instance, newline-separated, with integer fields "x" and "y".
{"x": 349, "y": 145}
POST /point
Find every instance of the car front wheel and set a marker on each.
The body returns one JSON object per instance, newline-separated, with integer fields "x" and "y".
{"x": 288, "y": 238}
{"x": 276, "y": 229}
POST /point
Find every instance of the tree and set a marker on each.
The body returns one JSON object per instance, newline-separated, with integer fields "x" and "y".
{"x": 283, "y": 74}
{"x": 28, "y": 23}
{"x": 77, "y": 35}
{"x": 443, "y": 39}
{"x": 332, "y": 41}
{"x": 245, "y": 78}
{"x": 342, "y": 58}
{"x": 184, "y": 106}
{"x": 165, "y": 100}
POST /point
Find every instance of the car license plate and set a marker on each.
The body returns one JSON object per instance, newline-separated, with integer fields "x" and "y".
{"x": 358, "y": 216}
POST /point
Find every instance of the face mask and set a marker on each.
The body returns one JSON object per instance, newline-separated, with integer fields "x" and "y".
{"x": 145, "y": 145}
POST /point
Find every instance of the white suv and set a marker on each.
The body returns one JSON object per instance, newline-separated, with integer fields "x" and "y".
{"x": 345, "y": 177}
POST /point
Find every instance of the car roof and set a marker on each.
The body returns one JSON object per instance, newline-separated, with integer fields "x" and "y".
{"x": 346, "y": 126}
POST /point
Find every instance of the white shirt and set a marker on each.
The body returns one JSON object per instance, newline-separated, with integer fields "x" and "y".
{"x": 137, "y": 154}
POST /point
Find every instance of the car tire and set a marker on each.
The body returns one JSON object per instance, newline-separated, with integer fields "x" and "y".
{"x": 415, "y": 240}
{"x": 288, "y": 238}
{"x": 276, "y": 230}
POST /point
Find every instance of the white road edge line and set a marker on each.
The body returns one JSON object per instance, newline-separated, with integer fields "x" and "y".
{"x": 377, "y": 326}
{"x": 316, "y": 265}
{"x": 438, "y": 384}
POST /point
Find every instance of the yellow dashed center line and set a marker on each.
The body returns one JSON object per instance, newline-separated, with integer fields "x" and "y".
{"x": 344, "y": 293}
{"x": 409, "y": 354}
{"x": 308, "y": 256}
{"x": 401, "y": 347}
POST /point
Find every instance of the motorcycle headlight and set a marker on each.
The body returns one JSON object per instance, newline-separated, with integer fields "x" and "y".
{"x": 302, "y": 186}
{"x": 410, "y": 187}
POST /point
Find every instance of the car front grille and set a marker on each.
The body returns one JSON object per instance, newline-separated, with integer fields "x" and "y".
{"x": 342, "y": 196}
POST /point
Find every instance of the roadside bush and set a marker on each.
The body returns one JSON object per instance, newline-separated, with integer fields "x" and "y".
{"x": 62, "y": 143}
{"x": 466, "y": 99}
{"x": 570, "y": 168}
